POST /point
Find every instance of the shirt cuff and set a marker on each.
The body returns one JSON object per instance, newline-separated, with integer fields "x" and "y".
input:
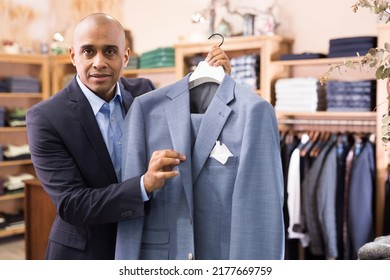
{"x": 144, "y": 195}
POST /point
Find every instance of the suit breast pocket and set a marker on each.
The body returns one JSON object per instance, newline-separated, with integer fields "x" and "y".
{"x": 231, "y": 162}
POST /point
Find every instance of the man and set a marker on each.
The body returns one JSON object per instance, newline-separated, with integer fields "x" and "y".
{"x": 75, "y": 144}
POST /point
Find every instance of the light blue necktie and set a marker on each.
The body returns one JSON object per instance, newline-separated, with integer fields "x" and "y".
{"x": 114, "y": 118}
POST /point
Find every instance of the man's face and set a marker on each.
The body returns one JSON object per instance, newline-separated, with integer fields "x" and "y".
{"x": 99, "y": 54}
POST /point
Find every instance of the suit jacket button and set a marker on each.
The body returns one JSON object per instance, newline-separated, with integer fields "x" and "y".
{"x": 190, "y": 256}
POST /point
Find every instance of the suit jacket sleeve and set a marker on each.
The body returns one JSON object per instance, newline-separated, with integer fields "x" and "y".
{"x": 257, "y": 211}
{"x": 77, "y": 184}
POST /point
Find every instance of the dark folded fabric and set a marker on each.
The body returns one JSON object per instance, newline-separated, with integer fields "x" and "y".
{"x": 351, "y": 96}
{"x": 2, "y": 189}
{"x": 350, "y": 47}
{"x": 354, "y": 40}
{"x": 302, "y": 56}
{"x": 2, "y": 116}
{"x": 20, "y": 157}
{"x": 22, "y": 84}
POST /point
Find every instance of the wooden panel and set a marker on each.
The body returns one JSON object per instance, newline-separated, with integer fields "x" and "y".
{"x": 39, "y": 216}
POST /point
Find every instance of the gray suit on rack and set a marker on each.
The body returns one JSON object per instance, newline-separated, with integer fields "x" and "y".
{"x": 211, "y": 210}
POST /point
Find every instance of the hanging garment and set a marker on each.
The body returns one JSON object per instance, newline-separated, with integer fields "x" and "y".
{"x": 212, "y": 209}
{"x": 361, "y": 197}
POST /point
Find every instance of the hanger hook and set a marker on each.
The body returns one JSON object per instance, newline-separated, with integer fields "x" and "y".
{"x": 223, "y": 39}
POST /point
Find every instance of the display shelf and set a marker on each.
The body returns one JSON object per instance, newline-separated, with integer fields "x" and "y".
{"x": 11, "y": 231}
{"x": 5, "y": 197}
{"x": 5, "y": 129}
{"x": 147, "y": 71}
{"x": 15, "y": 162}
{"x": 19, "y": 65}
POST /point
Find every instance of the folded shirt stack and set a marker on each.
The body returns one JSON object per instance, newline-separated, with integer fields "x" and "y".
{"x": 15, "y": 182}
{"x": 299, "y": 95}
{"x": 2, "y": 116}
{"x": 133, "y": 62}
{"x": 245, "y": 70}
{"x": 160, "y": 57}
{"x": 12, "y": 220}
{"x": 349, "y": 46}
{"x": 356, "y": 96}
{"x": 20, "y": 84}
{"x": 13, "y": 152}
{"x": 16, "y": 117}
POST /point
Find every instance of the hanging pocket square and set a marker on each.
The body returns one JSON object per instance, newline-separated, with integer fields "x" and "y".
{"x": 220, "y": 152}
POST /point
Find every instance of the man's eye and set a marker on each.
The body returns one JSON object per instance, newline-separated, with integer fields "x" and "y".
{"x": 88, "y": 51}
{"x": 110, "y": 51}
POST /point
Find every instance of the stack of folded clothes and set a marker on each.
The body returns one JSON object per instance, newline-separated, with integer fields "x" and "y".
{"x": 299, "y": 95}
{"x": 20, "y": 84}
{"x": 2, "y": 116}
{"x": 133, "y": 62}
{"x": 14, "y": 183}
{"x": 245, "y": 70}
{"x": 3, "y": 223}
{"x": 160, "y": 57}
{"x": 16, "y": 117}
{"x": 13, "y": 152}
{"x": 2, "y": 189}
{"x": 358, "y": 96}
{"x": 345, "y": 47}
{"x": 12, "y": 220}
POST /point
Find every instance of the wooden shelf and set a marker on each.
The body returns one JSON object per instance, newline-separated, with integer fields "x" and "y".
{"x": 316, "y": 61}
{"x": 15, "y": 162}
{"x": 149, "y": 71}
{"x": 11, "y": 231}
{"x": 13, "y": 129}
{"x": 371, "y": 116}
{"x": 21, "y": 95}
{"x": 11, "y": 196}
{"x": 23, "y": 58}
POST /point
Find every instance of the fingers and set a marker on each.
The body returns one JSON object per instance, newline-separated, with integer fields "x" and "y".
{"x": 217, "y": 57}
{"x": 161, "y": 167}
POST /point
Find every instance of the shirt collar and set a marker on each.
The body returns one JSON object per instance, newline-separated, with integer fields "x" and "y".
{"x": 95, "y": 101}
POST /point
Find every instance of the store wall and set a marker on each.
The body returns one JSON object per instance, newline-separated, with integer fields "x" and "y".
{"x": 156, "y": 23}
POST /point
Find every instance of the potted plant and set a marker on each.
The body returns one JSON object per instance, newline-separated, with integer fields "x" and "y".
{"x": 376, "y": 58}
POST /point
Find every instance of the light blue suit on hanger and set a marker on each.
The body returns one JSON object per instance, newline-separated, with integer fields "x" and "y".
{"x": 210, "y": 210}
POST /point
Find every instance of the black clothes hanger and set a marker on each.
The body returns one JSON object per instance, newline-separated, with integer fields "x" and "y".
{"x": 204, "y": 73}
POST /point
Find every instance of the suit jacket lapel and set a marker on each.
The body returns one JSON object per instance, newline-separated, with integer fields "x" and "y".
{"x": 127, "y": 97}
{"x": 177, "y": 111}
{"x": 212, "y": 123}
{"x": 84, "y": 113}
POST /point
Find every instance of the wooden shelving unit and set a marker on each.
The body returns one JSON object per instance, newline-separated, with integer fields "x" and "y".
{"x": 36, "y": 66}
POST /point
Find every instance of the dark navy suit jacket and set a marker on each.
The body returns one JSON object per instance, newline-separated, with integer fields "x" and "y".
{"x": 72, "y": 162}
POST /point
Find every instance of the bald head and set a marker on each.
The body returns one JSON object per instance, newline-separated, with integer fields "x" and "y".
{"x": 96, "y": 21}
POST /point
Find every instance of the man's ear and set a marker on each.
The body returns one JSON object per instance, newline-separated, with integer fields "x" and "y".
{"x": 71, "y": 53}
{"x": 126, "y": 56}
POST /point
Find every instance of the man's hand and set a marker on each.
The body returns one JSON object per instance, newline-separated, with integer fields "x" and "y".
{"x": 217, "y": 57}
{"x": 161, "y": 167}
